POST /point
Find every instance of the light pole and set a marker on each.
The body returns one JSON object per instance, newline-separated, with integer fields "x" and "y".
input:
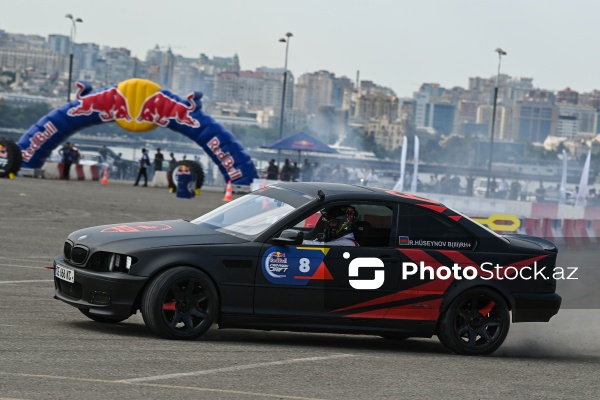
{"x": 285, "y": 40}
{"x": 489, "y": 177}
{"x": 73, "y": 32}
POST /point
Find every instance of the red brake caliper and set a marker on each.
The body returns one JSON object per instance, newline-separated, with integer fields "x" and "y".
{"x": 169, "y": 306}
{"x": 486, "y": 310}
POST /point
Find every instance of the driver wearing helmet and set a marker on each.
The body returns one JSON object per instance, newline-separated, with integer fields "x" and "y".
{"x": 339, "y": 226}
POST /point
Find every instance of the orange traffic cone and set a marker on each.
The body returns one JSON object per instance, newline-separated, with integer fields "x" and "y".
{"x": 105, "y": 176}
{"x": 228, "y": 193}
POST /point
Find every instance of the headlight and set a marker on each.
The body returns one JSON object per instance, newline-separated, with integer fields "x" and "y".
{"x": 111, "y": 262}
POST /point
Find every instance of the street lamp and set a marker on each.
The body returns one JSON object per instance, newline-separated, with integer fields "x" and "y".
{"x": 285, "y": 40}
{"x": 500, "y": 54}
{"x": 73, "y": 32}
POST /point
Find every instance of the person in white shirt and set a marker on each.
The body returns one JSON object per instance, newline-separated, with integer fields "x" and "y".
{"x": 371, "y": 178}
{"x": 339, "y": 227}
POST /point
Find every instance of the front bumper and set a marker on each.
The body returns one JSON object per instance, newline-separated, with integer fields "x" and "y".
{"x": 103, "y": 293}
{"x": 535, "y": 307}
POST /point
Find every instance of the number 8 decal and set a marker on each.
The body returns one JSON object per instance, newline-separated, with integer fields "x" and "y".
{"x": 304, "y": 265}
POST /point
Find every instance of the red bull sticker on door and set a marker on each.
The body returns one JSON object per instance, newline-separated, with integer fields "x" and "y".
{"x": 284, "y": 265}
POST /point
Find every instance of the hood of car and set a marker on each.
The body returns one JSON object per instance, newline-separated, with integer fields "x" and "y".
{"x": 131, "y": 236}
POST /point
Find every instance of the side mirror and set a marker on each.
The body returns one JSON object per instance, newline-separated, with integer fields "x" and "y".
{"x": 290, "y": 236}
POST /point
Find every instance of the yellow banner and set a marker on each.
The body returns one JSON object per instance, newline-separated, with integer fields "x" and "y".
{"x": 500, "y": 222}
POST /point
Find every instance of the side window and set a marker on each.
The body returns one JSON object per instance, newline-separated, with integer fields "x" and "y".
{"x": 308, "y": 223}
{"x": 372, "y": 228}
{"x": 424, "y": 228}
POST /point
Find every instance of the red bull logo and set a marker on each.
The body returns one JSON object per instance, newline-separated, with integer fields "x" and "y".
{"x": 183, "y": 170}
{"x": 304, "y": 144}
{"x": 225, "y": 158}
{"x": 110, "y": 104}
{"x": 278, "y": 257}
{"x": 38, "y": 140}
{"x": 160, "y": 109}
{"x": 136, "y": 228}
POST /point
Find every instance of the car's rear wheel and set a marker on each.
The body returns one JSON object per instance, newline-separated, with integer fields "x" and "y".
{"x": 475, "y": 323}
{"x": 101, "y": 318}
{"x": 181, "y": 303}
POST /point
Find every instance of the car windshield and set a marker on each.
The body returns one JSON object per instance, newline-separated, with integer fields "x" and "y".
{"x": 247, "y": 216}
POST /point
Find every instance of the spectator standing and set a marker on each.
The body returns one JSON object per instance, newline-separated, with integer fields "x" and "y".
{"x": 157, "y": 163}
{"x": 272, "y": 171}
{"x": 120, "y": 164}
{"x": 76, "y": 155}
{"x": 540, "y": 193}
{"x": 295, "y": 173}
{"x": 144, "y": 164}
{"x": 502, "y": 189}
{"x": 317, "y": 173}
{"x": 66, "y": 159}
{"x": 434, "y": 183}
{"x": 493, "y": 188}
{"x": 172, "y": 161}
{"x": 306, "y": 171}
{"x": 352, "y": 176}
{"x": 524, "y": 192}
{"x": 286, "y": 171}
{"x": 371, "y": 177}
{"x": 103, "y": 153}
{"x": 470, "y": 182}
{"x": 515, "y": 188}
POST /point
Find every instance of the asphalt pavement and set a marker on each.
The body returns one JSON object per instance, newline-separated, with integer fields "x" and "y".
{"x": 49, "y": 350}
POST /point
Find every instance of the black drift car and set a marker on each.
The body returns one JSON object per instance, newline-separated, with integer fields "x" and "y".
{"x": 315, "y": 257}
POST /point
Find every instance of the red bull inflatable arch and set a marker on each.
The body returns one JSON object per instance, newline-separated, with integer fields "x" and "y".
{"x": 138, "y": 105}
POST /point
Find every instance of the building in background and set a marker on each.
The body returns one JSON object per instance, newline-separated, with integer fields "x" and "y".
{"x": 534, "y": 121}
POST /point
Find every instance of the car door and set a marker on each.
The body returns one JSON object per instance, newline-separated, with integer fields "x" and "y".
{"x": 364, "y": 278}
{"x": 314, "y": 280}
{"x": 289, "y": 280}
{"x": 428, "y": 239}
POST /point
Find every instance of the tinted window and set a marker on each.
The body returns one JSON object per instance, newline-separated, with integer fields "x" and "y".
{"x": 373, "y": 228}
{"x": 421, "y": 227}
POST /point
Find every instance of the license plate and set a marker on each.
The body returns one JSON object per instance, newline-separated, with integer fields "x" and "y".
{"x": 64, "y": 273}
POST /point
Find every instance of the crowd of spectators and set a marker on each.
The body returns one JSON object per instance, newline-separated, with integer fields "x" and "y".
{"x": 315, "y": 172}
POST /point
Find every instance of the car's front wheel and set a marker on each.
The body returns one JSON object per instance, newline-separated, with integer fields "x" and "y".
{"x": 180, "y": 303}
{"x": 475, "y": 323}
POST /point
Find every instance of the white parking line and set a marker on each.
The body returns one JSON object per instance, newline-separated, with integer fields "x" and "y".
{"x": 236, "y": 368}
{"x": 20, "y": 266}
{"x": 29, "y": 281}
{"x": 30, "y": 258}
{"x": 244, "y": 394}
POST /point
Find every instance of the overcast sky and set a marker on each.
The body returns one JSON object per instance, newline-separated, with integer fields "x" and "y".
{"x": 395, "y": 43}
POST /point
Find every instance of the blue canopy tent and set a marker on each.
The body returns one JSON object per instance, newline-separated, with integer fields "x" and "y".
{"x": 300, "y": 142}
